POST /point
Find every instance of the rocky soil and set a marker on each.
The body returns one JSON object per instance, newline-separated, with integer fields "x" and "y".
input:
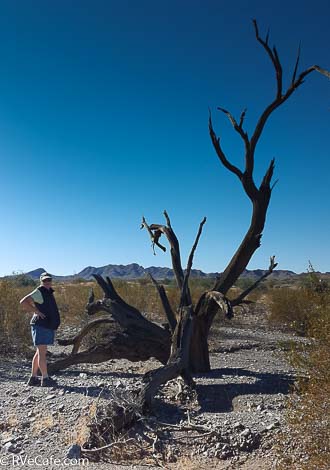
{"x": 231, "y": 421}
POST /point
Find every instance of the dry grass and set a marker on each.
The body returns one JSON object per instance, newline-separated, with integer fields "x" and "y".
{"x": 42, "y": 423}
{"x": 80, "y": 432}
{"x": 14, "y": 324}
{"x": 72, "y": 298}
{"x": 11, "y": 421}
{"x": 191, "y": 463}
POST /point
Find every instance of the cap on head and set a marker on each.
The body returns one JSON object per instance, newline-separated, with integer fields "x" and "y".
{"x": 45, "y": 276}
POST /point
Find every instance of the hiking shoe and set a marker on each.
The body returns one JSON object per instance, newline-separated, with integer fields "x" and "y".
{"x": 48, "y": 382}
{"x": 33, "y": 381}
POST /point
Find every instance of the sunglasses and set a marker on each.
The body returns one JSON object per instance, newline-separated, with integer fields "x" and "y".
{"x": 47, "y": 280}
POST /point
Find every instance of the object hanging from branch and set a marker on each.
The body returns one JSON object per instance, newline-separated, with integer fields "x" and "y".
{"x": 155, "y": 235}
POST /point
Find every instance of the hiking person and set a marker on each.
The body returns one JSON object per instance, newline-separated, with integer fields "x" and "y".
{"x": 45, "y": 321}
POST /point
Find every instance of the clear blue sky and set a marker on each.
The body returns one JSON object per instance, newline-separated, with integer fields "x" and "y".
{"x": 104, "y": 118}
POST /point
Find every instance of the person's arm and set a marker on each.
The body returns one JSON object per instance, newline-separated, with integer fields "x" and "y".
{"x": 29, "y": 305}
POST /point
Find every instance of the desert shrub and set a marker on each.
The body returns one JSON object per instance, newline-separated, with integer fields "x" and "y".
{"x": 306, "y": 446}
{"x": 78, "y": 280}
{"x": 201, "y": 284}
{"x": 300, "y": 308}
{"x": 14, "y": 323}
{"x": 244, "y": 282}
{"x": 312, "y": 281}
{"x": 292, "y": 309}
{"x": 21, "y": 280}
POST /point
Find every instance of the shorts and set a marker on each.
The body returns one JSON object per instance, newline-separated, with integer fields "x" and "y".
{"x": 42, "y": 335}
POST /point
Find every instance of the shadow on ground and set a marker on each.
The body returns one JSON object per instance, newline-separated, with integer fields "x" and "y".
{"x": 218, "y": 398}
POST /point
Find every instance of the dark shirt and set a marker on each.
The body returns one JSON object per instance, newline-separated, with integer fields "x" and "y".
{"x": 49, "y": 309}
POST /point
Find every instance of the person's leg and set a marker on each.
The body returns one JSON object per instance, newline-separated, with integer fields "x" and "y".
{"x": 35, "y": 364}
{"x": 42, "y": 363}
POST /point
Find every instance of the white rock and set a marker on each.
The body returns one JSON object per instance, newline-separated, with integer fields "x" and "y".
{"x": 271, "y": 426}
{"x": 10, "y": 447}
{"x": 238, "y": 425}
{"x": 245, "y": 433}
{"x": 50, "y": 397}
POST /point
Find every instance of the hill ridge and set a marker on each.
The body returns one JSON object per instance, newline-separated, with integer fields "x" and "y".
{"x": 136, "y": 271}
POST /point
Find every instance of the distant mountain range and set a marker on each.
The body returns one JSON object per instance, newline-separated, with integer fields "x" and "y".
{"x": 135, "y": 271}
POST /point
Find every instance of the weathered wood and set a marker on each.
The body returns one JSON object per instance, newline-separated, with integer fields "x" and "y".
{"x": 139, "y": 340}
{"x": 178, "y": 363}
{"x": 130, "y": 344}
{"x": 76, "y": 340}
{"x": 165, "y": 303}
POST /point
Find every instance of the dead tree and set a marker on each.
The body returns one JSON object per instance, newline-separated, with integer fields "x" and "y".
{"x": 188, "y": 325}
{"x": 136, "y": 339}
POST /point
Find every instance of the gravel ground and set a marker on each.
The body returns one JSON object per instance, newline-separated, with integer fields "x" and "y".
{"x": 231, "y": 422}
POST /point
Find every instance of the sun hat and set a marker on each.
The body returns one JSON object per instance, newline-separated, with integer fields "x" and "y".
{"x": 45, "y": 276}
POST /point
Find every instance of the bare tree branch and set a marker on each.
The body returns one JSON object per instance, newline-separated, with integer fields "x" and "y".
{"x": 219, "y": 151}
{"x": 185, "y": 293}
{"x": 191, "y": 256}
{"x": 174, "y": 244}
{"x": 244, "y": 294}
{"x": 91, "y": 296}
{"x": 296, "y": 67}
{"x": 280, "y": 97}
{"x": 237, "y": 127}
{"x": 322, "y": 71}
{"x": 241, "y": 121}
{"x": 273, "y": 56}
{"x": 165, "y": 303}
{"x": 167, "y": 218}
{"x": 265, "y": 184}
{"x": 76, "y": 340}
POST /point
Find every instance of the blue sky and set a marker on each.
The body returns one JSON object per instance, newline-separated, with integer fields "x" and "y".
{"x": 104, "y": 118}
